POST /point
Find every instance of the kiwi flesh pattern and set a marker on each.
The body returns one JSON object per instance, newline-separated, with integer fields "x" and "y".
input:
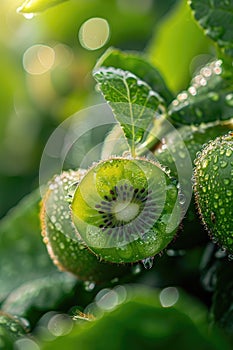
{"x": 62, "y": 240}
{"x": 126, "y": 210}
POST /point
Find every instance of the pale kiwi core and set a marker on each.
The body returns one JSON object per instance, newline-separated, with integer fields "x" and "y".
{"x": 126, "y": 211}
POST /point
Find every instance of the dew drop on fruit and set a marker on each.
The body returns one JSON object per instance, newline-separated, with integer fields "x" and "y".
{"x": 148, "y": 262}
{"x": 182, "y": 198}
{"x": 229, "y": 100}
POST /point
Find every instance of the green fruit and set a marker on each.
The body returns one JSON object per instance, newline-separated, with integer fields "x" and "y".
{"x": 171, "y": 152}
{"x": 126, "y": 210}
{"x": 213, "y": 189}
{"x": 193, "y": 138}
{"x": 63, "y": 242}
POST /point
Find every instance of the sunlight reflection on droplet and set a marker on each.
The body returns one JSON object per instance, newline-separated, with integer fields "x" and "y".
{"x": 94, "y": 33}
{"x": 38, "y": 59}
{"x": 169, "y": 296}
{"x": 28, "y": 15}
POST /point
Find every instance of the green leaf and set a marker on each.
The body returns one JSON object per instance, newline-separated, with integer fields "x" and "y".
{"x": 34, "y": 6}
{"x": 141, "y": 322}
{"x": 137, "y": 64}
{"x": 41, "y": 295}
{"x": 134, "y": 104}
{"x": 23, "y": 255}
{"x": 209, "y": 97}
{"x": 216, "y": 18}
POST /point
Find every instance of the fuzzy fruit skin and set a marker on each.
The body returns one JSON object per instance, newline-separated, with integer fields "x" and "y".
{"x": 63, "y": 242}
{"x": 213, "y": 189}
{"x": 133, "y": 244}
{"x": 193, "y": 138}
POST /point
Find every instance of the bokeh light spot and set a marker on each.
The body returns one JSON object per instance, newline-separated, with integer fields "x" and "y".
{"x": 38, "y": 59}
{"x": 94, "y": 33}
{"x": 169, "y": 296}
{"x": 60, "y": 324}
{"x": 26, "y": 344}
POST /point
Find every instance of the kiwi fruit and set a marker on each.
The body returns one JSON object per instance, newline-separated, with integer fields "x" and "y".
{"x": 126, "y": 209}
{"x": 170, "y": 152}
{"x": 67, "y": 250}
{"x": 213, "y": 189}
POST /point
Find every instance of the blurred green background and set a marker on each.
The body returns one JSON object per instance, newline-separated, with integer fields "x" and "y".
{"x": 46, "y": 72}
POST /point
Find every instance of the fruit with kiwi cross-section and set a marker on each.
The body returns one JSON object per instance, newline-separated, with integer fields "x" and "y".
{"x": 126, "y": 209}
{"x": 64, "y": 245}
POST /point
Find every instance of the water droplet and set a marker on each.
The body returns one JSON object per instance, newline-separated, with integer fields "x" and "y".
{"x": 89, "y": 286}
{"x": 58, "y": 226}
{"x": 3, "y": 320}
{"x": 229, "y": 240}
{"x": 148, "y": 262}
{"x": 62, "y": 245}
{"x": 136, "y": 269}
{"x": 192, "y": 90}
{"x": 229, "y": 100}
{"x": 228, "y": 152}
{"x": 29, "y": 15}
{"x": 182, "y": 96}
{"x": 182, "y": 198}
{"x": 13, "y": 328}
{"x": 220, "y": 254}
{"x": 205, "y": 163}
{"x": 213, "y": 96}
{"x": 222, "y": 211}
{"x": 53, "y": 219}
{"x": 204, "y": 189}
{"x": 223, "y": 164}
{"x": 229, "y": 193}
